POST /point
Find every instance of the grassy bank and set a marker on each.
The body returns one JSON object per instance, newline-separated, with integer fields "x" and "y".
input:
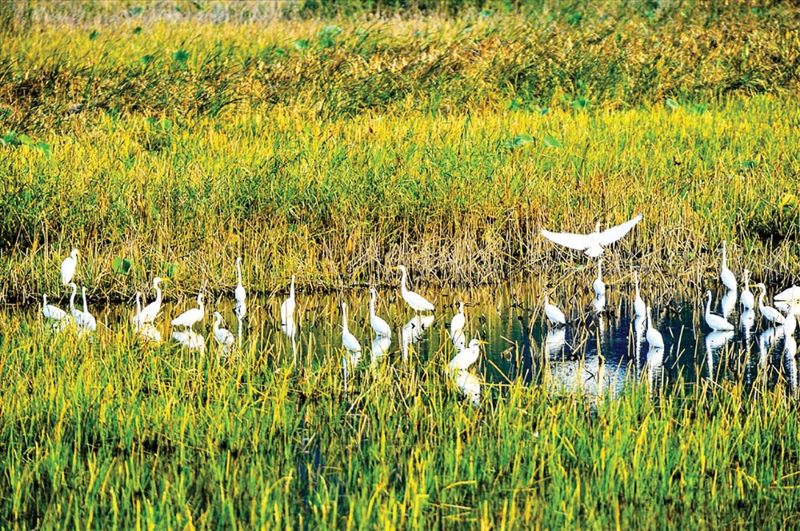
{"x": 336, "y": 149}
{"x": 113, "y": 433}
{"x": 460, "y": 197}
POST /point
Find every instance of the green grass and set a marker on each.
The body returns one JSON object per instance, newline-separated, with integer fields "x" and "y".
{"x": 444, "y": 137}
{"x": 112, "y": 433}
{"x": 335, "y": 149}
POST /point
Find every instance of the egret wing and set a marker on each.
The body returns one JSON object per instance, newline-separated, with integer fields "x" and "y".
{"x": 579, "y": 242}
{"x": 789, "y": 294}
{"x": 609, "y": 236}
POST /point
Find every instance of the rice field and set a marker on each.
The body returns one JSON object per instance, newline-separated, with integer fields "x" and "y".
{"x": 336, "y": 141}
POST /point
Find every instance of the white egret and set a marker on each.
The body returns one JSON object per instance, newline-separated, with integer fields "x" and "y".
{"x": 726, "y": 275}
{"x": 194, "y": 315}
{"x": 592, "y": 244}
{"x": 380, "y": 326}
{"x": 223, "y": 336}
{"x": 715, "y": 322}
{"x": 768, "y": 312}
{"x": 240, "y": 294}
{"x": 598, "y": 285}
{"x": 151, "y": 311}
{"x": 89, "y": 322}
{"x": 349, "y": 341}
{"x": 639, "y": 307}
{"x": 287, "y": 308}
{"x": 457, "y": 326}
{"x": 554, "y": 315}
{"x": 68, "y": 267}
{"x": 137, "y": 317}
{"x": 654, "y": 338}
{"x": 50, "y": 312}
{"x": 77, "y": 315}
{"x": 417, "y": 302}
{"x": 789, "y": 298}
{"x": 746, "y": 299}
{"x": 728, "y": 303}
{"x": 468, "y": 356}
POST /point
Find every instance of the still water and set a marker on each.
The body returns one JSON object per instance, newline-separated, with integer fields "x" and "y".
{"x": 601, "y": 350}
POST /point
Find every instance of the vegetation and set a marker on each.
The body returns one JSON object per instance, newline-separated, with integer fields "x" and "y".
{"x": 334, "y": 140}
{"x": 113, "y": 433}
{"x": 336, "y": 149}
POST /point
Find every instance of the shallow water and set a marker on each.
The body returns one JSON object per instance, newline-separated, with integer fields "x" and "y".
{"x": 596, "y": 354}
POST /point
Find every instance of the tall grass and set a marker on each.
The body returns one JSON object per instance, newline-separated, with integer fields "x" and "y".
{"x": 336, "y": 149}
{"x": 343, "y": 201}
{"x": 114, "y": 433}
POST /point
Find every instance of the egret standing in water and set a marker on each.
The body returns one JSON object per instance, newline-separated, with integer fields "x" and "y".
{"x": 88, "y": 323}
{"x": 747, "y": 300}
{"x": 77, "y": 314}
{"x": 457, "y": 327}
{"x": 240, "y": 294}
{"x": 417, "y": 302}
{"x": 725, "y": 274}
{"x": 52, "y": 313}
{"x": 194, "y": 315}
{"x": 379, "y": 326}
{"x": 68, "y": 267}
{"x": 349, "y": 341}
{"x": 467, "y": 357}
{"x": 553, "y": 314}
{"x": 715, "y": 322}
{"x": 654, "y": 338}
{"x": 639, "y": 307}
{"x": 592, "y": 244}
{"x": 598, "y": 285}
{"x": 224, "y": 337}
{"x": 768, "y": 312}
{"x": 287, "y": 308}
{"x": 151, "y": 311}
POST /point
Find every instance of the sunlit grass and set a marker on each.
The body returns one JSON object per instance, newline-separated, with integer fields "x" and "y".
{"x": 117, "y": 432}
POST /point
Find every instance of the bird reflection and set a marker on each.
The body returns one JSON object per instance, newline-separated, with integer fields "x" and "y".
{"x": 190, "y": 339}
{"x": 715, "y": 341}
{"x": 728, "y": 303}
{"x": 380, "y": 348}
{"x": 639, "y": 329}
{"x": 790, "y": 360}
{"x": 150, "y": 333}
{"x": 289, "y": 329}
{"x": 766, "y": 340}
{"x": 469, "y": 385}
{"x": 746, "y": 322}
{"x": 554, "y": 341}
{"x": 599, "y": 304}
{"x": 413, "y": 331}
{"x": 655, "y": 368}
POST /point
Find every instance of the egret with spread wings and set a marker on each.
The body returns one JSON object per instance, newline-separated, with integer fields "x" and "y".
{"x": 592, "y": 244}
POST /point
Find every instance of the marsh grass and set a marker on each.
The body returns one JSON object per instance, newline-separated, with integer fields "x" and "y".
{"x": 338, "y": 149}
{"x": 117, "y": 433}
{"x": 442, "y": 195}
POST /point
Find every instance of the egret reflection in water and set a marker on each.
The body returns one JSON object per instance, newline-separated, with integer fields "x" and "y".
{"x": 190, "y": 339}
{"x": 469, "y": 385}
{"x": 413, "y": 331}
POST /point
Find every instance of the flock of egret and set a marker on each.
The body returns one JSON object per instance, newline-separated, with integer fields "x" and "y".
{"x": 593, "y": 244}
